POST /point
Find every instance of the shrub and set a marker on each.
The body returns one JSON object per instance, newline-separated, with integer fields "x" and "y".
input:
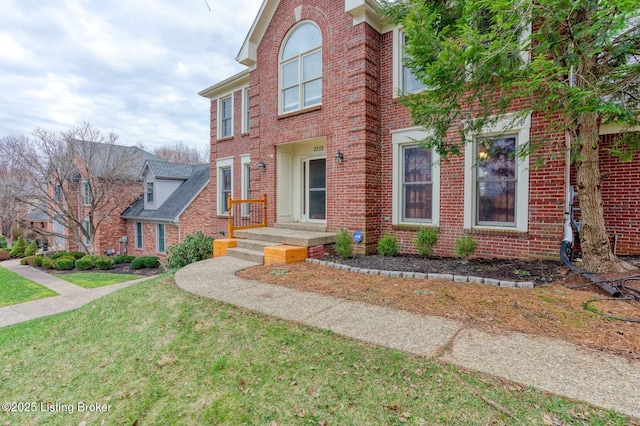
{"x": 344, "y": 244}
{"x": 128, "y": 258}
{"x": 85, "y": 263}
{"x": 76, "y": 254}
{"x": 64, "y": 264}
{"x": 195, "y": 247}
{"x": 31, "y": 249}
{"x": 25, "y": 260}
{"x": 466, "y": 246}
{"x": 48, "y": 263}
{"x": 19, "y": 247}
{"x": 118, "y": 259}
{"x": 388, "y": 245}
{"x": 105, "y": 263}
{"x": 37, "y": 261}
{"x": 145, "y": 262}
{"x": 4, "y": 255}
{"x": 3, "y": 241}
{"x": 426, "y": 240}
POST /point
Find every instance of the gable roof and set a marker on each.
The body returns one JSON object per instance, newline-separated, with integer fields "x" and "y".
{"x": 361, "y": 11}
{"x": 166, "y": 170}
{"x": 103, "y": 157}
{"x": 177, "y": 202}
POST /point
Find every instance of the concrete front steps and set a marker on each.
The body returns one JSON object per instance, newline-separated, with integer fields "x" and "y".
{"x": 283, "y": 243}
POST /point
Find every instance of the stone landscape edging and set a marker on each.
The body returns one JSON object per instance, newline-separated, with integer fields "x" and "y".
{"x": 430, "y": 276}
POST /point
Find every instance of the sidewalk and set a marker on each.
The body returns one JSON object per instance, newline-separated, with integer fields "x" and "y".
{"x": 550, "y": 365}
{"x": 70, "y": 296}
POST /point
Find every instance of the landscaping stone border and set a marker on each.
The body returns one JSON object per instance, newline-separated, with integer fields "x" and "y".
{"x": 447, "y": 277}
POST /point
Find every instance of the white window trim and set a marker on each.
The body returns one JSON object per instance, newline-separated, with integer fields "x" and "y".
{"x": 153, "y": 192}
{"x": 135, "y": 235}
{"x": 245, "y": 160}
{"x": 410, "y": 137}
{"x": 301, "y": 106}
{"x": 220, "y": 109}
{"x": 521, "y": 128}
{"x": 220, "y": 164}
{"x": 158, "y": 225}
{"x": 245, "y": 109}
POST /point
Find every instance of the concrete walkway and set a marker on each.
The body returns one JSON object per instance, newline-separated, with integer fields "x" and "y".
{"x": 70, "y": 296}
{"x": 550, "y": 365}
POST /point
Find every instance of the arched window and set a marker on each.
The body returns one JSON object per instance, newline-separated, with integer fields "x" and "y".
{"x": 301, "y": 68}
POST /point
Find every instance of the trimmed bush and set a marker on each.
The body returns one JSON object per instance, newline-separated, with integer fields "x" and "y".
{"x": 104, "y": 263}
{"x": 37, "y": 261}
{"x": 48, "y": 263}
{"x": 72, "y": 254}
{"x": 145, "y": 262}
{"x": 195, "y": 247}
{"x": 25, "y": 260}
{"x": 128, "y": 258}
{"x": 4, "y": 255}
{"x": 426, "y": 240}
{"x": 118, "y": 259}
{"x": 388, "y": 245}
{"x": 19, "y": 247}
{"x": 466, "y": 246}
{"x": 344, "y": 244}
{"x": 64, "y": 264}
{"x": 31, "y": 249}
{"x": 85, "y": 263}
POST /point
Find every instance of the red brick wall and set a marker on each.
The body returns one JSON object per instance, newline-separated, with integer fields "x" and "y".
{"x": 357, "y": 115}
{"x": 621, "y": 198}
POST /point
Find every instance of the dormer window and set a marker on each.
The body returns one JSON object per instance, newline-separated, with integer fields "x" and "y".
{"x": 301, "y": 68}
{"x": 150, "y": 186}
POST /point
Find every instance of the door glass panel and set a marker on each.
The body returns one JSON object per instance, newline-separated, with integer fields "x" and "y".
{"x": 317, "y": 189}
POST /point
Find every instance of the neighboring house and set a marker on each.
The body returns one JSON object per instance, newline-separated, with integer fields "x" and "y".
{"x": 175, "y": 203}
{"x": 104, "y": 180}
{"x": 315, "y": 124}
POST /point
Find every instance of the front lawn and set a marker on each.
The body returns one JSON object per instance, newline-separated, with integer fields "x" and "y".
{"x": 154, "y": 354}
{"x": 16, "y": 289}
{"x": 96, "y": 279}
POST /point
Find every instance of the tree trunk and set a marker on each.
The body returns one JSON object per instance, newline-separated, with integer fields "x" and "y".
{"x": 597, "y": 255}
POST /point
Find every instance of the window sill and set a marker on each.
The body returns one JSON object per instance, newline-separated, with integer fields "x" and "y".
{"x": 414, "y": 226}
{"x": 226, "y": 138}
{"x": 300, "y": 111}
{"x": 498, "y": 232}
{"x": 223, "y": 216}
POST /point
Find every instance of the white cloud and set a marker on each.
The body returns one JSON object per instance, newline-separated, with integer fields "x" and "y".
{"x": 134, "y": 67}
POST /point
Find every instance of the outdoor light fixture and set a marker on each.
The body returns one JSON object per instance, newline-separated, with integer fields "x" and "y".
{"x": 262, "y": 166}
{"x": 339, "y": 157}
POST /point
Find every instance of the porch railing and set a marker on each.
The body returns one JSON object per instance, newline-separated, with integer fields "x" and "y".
{"x": 246, "y": 214}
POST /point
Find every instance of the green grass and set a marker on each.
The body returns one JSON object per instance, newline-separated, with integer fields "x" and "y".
{"x": 96, "y": 279}
{"x": 16, "y": 289}
{"x": 158, "y": 355}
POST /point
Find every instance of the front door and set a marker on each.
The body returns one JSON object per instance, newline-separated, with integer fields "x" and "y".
{"x": 315, "y": 189}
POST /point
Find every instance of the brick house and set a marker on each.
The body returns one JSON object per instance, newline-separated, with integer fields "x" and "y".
{"x": 315, "y": 124}
{"x": 105, "y": 171}
{"x": 175, "y": 202}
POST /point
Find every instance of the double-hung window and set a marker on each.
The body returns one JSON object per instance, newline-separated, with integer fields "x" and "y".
{"x": 417, "y": 185}
{"x": 416, "y": 179}
{"x": 160, "y": 238}
{"x": 87, "y": 198}
{"x": 224, "y": 184}
{"x": 410, "y": 83}
{"x": 138, "y": 235}
{"x": 496, "y": 189}
{"x": 150, "y": 192}
{"x": 301, "y": 68}
{"x": 226, "y": 117}
{"x": 496, "y": 180}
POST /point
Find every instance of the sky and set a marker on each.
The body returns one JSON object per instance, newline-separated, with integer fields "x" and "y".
{"x": 133, "y": 67}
